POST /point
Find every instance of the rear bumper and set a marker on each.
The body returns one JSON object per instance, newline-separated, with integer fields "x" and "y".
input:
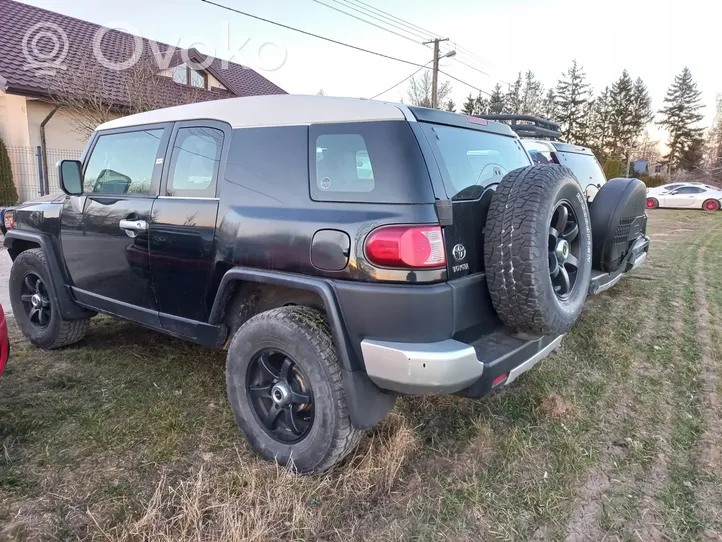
{"x": 451, "y": 366}
{"x": 635, "y": 257}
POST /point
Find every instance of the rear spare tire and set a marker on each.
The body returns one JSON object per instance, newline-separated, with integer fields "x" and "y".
{"x": 538, "y": 249}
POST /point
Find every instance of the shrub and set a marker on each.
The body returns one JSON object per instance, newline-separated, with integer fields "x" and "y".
{"x": 651, "y": 182}
{"x": 613, "y": 168}
{"x": 8, "y": 193}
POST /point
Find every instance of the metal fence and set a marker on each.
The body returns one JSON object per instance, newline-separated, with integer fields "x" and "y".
{"x": 27, "y": 170}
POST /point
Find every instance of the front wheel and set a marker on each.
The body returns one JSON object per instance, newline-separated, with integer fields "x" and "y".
{"x": 34, "y": 308}
{"x": 711, "y": 205}
{"x": 285, "y": 388}
{"x": 652, "y": 203}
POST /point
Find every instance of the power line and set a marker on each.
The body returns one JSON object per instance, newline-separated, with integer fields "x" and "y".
{"x": 402, "y": 81}
{"x": 367, "y": 13}
{"x": 355, "y": 47}
{"x": 400, "y": 20}
{"x": 473, "y": 57}
{"x": 465, "y": 83}
{"x": 365, "y": 21}
{"x": 313, "y": 35}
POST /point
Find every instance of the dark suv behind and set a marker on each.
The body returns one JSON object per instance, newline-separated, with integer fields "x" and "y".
{"x": 343, "y": 251}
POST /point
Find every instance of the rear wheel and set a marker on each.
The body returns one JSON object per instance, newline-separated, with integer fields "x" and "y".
{"x": 35, "y": 312}
{"x": 711, "y": 205}
{"x": 652, "y": 203}
{"x": 538, "y": 249}
{"x": 286, "y": 391}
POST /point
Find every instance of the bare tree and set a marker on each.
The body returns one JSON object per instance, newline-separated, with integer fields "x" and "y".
{"x": 419, "y": 92}
{"x": 91, "y": 94}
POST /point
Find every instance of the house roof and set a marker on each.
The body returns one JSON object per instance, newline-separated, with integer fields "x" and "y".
{"x": 286, "y": 110}
{"x": 43, "y": 53}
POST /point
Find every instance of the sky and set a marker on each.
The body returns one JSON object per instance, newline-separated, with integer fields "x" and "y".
{"x": 652, "y": 39}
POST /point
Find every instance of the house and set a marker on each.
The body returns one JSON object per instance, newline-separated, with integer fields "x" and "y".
{"x": 61, "y": 76}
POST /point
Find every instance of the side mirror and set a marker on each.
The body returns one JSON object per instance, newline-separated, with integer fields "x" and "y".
{"x": 673, "y": 192}
{"x": 70, "y": 174}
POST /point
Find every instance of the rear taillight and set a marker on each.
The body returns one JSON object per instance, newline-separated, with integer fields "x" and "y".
{"x": 406, "y": 246}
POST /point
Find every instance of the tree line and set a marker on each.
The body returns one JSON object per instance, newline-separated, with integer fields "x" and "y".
{"x": 613, "y": 122}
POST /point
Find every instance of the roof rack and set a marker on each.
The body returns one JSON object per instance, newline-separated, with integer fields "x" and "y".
{"x": 527, "y": 125}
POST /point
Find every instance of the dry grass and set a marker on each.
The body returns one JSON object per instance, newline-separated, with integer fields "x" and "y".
{"x": 127, "y": 437}
{"x": 268, "y": 502}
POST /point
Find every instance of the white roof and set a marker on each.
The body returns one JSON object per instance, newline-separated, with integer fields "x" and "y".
{"x": 274, "y": 110}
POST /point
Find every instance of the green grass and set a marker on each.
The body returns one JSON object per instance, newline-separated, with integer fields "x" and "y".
{"x": 91, "y": 433}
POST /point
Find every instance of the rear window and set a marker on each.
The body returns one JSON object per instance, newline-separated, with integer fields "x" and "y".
{"x": 471, "y": 160}
{"x": 584, "y": 166}
{"x": 374, "y": 162}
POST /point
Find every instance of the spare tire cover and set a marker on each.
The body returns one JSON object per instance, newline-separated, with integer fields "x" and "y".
{"x": 618, "y": 218}
{"x": 538, "y": 249}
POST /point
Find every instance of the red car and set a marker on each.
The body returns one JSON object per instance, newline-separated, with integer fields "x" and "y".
{"x": 4, "y": 343}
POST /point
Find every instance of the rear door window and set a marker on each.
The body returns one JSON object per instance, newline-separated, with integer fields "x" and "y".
{"x": 375, "y": 162}
{"x": 194, "y": 162}
{"x": 473, "y": 159}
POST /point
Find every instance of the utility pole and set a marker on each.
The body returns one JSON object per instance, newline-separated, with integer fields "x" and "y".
{"x": 435, "y": 76}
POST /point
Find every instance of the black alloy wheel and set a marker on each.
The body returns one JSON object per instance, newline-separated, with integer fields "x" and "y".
{"x": 564, "y": 249}
{"x": 281, "y": 396}
{"x": 36, "y": 300}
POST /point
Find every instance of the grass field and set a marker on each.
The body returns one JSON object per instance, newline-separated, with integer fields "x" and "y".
{"x": 617, "y": 436}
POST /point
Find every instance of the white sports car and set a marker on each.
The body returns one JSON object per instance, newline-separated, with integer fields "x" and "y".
{"x": 669, "y": 187}
{"x": 698, "y": 196}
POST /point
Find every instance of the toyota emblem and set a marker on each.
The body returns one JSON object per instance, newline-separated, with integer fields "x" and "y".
{"x": 459, "y": 252}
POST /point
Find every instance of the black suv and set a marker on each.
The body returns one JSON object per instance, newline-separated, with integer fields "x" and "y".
{"x": 343, "y": 251}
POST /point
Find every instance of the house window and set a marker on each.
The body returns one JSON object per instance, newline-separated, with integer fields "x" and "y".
{"x": 185, "y": 75}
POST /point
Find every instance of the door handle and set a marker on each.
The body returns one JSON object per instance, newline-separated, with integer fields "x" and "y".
{"x": 133, "y": 227}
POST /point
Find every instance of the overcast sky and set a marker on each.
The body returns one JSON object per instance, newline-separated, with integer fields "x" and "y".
{"x": 652, "y": 39}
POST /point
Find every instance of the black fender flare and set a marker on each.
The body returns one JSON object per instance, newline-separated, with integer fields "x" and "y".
{"x": 59, "y": 283}
{"x": 367, "y": 403}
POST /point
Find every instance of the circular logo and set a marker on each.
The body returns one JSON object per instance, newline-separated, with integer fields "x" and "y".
{"x": 459, "y": 252}
{"x": 325, "y": 183}
{"x": 45, "y": 46}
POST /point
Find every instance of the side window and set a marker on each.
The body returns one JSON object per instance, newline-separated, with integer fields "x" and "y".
{"x": 194, "y": 162}
{"x": 689, "y": 190}
{"x": 123, "y": 163}
{"x": 343, "y": 164}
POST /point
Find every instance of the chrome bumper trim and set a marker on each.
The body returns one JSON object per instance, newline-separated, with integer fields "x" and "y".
{"x": 421, "y": 368}
{"x": 536, "y": 358}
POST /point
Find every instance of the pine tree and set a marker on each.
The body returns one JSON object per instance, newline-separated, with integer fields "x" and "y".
{"x": 549, "y": 106}
{"x": 621, "y": 102}
{"x": 496, "y": 101}
{"x": 469, "y": 105}
{"x": 571, "y": 97}
{"x": 693, "y": 156}
{"x": 586, "y": 136}
{"x": 513, "y": 97}
{"x": 601, "y": 124}
{"x": 481, "y": 105}
{"x": 641, "y": 109}
{"x": 451, "y": 105}
{"x": 532, "y": 95}
{"x": 8, "y": 192}
{"x": 680, "y": 117}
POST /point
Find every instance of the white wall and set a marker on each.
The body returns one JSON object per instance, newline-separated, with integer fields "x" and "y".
{"x": 59, "y": 131}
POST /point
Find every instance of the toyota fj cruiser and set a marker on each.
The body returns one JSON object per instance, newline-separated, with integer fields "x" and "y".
{"x": 343, "y": 251}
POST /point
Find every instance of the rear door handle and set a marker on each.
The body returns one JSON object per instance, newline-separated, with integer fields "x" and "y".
{"x": 134, "y": 225}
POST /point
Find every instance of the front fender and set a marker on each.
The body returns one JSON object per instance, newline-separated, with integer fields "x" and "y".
{"x": 17, "y": 241}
